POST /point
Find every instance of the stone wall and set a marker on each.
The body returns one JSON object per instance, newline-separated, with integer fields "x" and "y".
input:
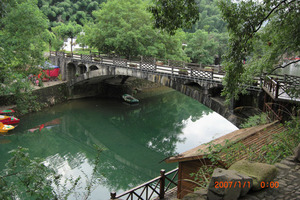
{"x": 52, "y": 95}
{"x": 47, "y": 96}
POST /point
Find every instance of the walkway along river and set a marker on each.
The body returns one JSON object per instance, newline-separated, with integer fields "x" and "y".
{"x": 136, "y": 138}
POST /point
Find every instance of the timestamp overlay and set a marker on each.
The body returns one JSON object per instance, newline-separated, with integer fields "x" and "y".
{"x": 233, "y": 184}
{"x": 245, "y": 184}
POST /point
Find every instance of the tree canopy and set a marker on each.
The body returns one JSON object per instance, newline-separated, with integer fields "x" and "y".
{"x": 261, "y": 32}
{"x": 125, "y": 27}
{"x": 69, "y": 10}
{"x": 69, "y": 30}
{"x": 175, "y": 14}
{"x": 23, "y": 39}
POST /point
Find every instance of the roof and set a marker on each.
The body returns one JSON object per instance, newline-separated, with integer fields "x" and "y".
{"x": 48, "y": 65}
{"x": 257, "y": 135}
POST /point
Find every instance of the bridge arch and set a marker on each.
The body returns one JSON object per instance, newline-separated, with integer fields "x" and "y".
{"x": 93, "y": 67}
{"x": 194, "y": 85}
{"x": 71, "y": 71}
{"x": 81, "y": 69}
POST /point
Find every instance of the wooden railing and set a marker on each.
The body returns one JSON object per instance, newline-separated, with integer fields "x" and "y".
{"x": 155, "y": 187}
{"x": 271, "y": 113}
{"x": 278, "y": 85}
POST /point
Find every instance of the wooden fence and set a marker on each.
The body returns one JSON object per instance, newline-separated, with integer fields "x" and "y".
{"x": 155, "y": 187}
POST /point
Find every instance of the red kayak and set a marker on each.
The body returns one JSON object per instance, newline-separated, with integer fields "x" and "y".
{"x": 9, "y": 120}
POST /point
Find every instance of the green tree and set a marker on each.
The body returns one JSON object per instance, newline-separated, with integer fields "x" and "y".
{"x": 23, "y": 38}
{"x": 126, "y": 28}
{"x": 261, "y": 32}
{"x": 210, "y": 18}
{"x": 70, "y": 30}
{"x": 203, "y": 47}
{"x": 69, "y": 10}
{"x": 171, "y": 15}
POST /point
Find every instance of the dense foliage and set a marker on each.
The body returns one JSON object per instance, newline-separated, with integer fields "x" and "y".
{"x": 261, "y": 32}
{"x": 175, "y": 14}
{"x": 125, "y": 28}
{"x": 69, "y": 10}
{"x": 23, "y": 38}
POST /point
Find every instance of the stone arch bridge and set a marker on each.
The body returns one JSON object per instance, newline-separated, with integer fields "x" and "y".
{"x": 201, "y": 83}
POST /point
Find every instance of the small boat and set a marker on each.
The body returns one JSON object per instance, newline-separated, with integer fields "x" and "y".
{"x": 9, "y": 120}
{"x": 130, "y": 99}
{"x": 8, "y": 112}
{"x": 5, "y": 128}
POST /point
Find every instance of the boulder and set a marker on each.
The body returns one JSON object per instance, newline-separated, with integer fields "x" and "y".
{"x": 228, "y": 185}
{"x": 257, "y": 171}
{"x": 197, "y": 195}
{"x": 297, "y": 154}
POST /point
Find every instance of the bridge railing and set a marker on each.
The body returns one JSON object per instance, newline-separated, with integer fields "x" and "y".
{"x": 155, "y": 187}
{"x": 152, "y": 64}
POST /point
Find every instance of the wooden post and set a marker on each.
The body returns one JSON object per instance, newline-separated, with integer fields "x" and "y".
{"x": 277, "y": 89}
{"x": 162, "y": 184}
{"x": 113, "y": 195}
{"x": 271, "y": 83}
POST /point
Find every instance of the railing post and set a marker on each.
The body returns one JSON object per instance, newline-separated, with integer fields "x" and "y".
{"x": 271, "y": 83}
{"x": 277, "y": 89}
{"x": 113, "y": 195}
{"x": 162, "y": 184}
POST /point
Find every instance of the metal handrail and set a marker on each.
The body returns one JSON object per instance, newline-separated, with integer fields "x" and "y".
{"x": 155, "y": 186}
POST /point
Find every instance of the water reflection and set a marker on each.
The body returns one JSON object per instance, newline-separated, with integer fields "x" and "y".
{"x": 136, "y": 138}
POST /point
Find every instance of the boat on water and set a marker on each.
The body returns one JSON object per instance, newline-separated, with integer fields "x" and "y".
{"x": 9, "y": 120}
{"x": 5, "y": 128}
{"x": 129, "y": 99}
{"x": 8, "y": 112}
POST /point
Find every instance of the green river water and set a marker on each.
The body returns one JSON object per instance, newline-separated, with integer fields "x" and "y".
{"x": 136, "y": 138}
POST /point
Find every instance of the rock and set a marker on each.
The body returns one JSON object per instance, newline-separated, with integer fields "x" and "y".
{"x": 297, "y": 154}
{"x": 282, "y": 166}
{"x": 194, "y": 196}
{"x": 228, "y": 185}
{"x": 257, "y": 171}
